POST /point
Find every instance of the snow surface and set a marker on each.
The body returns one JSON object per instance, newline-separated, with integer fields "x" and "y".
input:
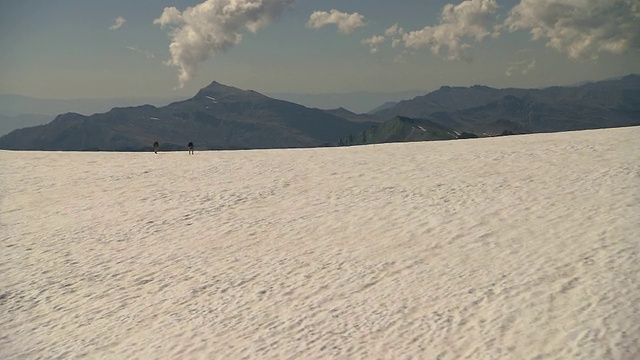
{"x": 521, "y": 247}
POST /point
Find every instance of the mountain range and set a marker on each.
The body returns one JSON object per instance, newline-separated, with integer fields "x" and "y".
{"x": 217, "y": 117}
{"x": 225, "y": 117}
{"x": 479, "y": 111}
{"x": 359, "y": 102}
{"x": 19, "y": 111}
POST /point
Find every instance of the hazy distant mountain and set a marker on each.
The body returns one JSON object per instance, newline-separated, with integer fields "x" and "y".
{"x": 346, "y": 114}
{"x": 387, "y": 105}
{"x": 358, "y": 102}
{"x": 15, "y": 105}
{"x": 219, "y": 116}
{"x": 10, "y": 123}
{"x": 18, "y": 111}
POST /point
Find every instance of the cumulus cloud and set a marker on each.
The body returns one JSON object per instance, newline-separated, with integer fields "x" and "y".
{"x": 582, "y": 29}
{"x": 212, "y": 27}
{"x": 347, "y": 23}
{"x": 469, "y": 19}
{"x": 394, "y": 30}
{"x": 522, "y": 67}
{"x": 373, "y": 42}
{"x": 118, "y": 23}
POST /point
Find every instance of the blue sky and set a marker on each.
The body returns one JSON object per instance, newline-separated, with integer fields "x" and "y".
{"x": 79, "y": 49}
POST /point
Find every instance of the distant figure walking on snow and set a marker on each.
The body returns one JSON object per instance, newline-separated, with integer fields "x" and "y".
{"x": 190, "y": 146}
{"x": 156, "y": 146}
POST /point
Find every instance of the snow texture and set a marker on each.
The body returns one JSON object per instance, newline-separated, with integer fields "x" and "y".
{"x": 520, "y": 247}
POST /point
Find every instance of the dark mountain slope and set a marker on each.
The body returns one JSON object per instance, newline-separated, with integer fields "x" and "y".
{"x": 482, "y": 109}
{"x": 218, "y": 116}
{"x": 401, "y": 129}
{"x": 224, "y": 117}
{"x": 446, "y": 99}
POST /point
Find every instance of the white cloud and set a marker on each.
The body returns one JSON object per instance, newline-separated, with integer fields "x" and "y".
{"x": 212, "y": 27}
{"x": 147, "y": 54}
{"x": 373, "y": 42}
{"x": 469, "y": 19}
{"x": 394, "y": 30}
{"x": 523, "y": 67}
{"x": 347, "y": 23}
{"x": 118, "y": 23}
{"x": 582, "y": 29}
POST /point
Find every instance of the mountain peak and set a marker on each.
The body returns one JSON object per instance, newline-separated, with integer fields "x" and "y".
{"x": 216, "y": 86}
{"x": 216, "y": 90}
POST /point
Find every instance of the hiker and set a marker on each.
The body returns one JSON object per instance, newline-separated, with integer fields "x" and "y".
{"x": 190, "y": 146}
{"x": 156, "y": 146}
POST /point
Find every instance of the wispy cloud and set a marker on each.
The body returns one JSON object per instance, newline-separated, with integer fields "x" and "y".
{"x": 520, "y": 67}
{"x": 212, "y": 27}
{"x": 373, "y": 42}
{"x": 402, "y": 57}
{"x": 469, "y": 19}
{"x": 119, "y": 21}
{"x": 346, "y": 23}
{"x": 582, "y": 29}
{"x": 147, "y": 54}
